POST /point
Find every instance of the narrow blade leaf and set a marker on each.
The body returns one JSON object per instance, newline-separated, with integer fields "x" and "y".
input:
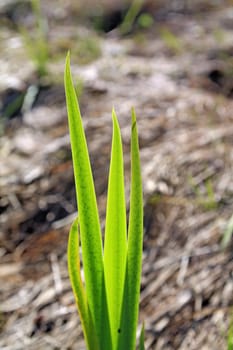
{"x": 77, "y": 286}
{"x": 129, "y": 316}
{"x": 90, "y": 232}
{"x": 115, "y": 233}
{"x": 141, "y": 340}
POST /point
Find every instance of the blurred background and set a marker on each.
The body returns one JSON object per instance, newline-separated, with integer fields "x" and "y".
{"x": 172, "y": 61}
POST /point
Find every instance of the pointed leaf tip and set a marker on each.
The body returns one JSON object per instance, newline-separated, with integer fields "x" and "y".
{"x": 68, "y": 59}
{"x": 133, "y": 118}
{"x": 114, "y": 116}
{"x": 133, "y": 113}
{"x": 115, "y": 119}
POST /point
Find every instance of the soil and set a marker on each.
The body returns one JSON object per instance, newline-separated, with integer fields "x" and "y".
{"x": 177, "y": 73}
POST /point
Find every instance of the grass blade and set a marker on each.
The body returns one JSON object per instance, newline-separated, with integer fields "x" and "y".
{"x": 129, "y": 316}
{"x": 115, "y": 233}
{"x": 141, "y": 340}
{"x": 130, "y": 16}
{"x": 90, "y": 232}
{"x": 78, "y": 288}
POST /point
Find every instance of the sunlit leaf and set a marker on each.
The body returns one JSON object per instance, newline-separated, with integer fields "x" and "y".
{"x": 108, "y": 304}
{"x": 141, "y": 340}
{"x": 78, "y": 288}
{"x": 129, "y": 317}
{"x": 90, "y": 232}
{"x": 115, "y": 233}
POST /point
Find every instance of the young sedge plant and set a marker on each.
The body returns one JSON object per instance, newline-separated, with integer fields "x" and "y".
{"x": 108, "y": 302}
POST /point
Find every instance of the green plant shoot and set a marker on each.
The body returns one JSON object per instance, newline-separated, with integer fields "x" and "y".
{"x": 130, "y": 16}
{"x": 108, "y": 302}
{"x": 141, "y": 340}
{"x": 37, "y": 44}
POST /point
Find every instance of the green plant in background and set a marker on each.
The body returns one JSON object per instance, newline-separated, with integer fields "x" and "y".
{"x": 130, "y": 16}
{"x": 210, "y": 202}
{"x": 87, "y": 49}
{"x": 10, "y": 109}
{"x": 37, "y": 44}
{"x": 207, "y": 200}
{"x": 172, "y": 42}
{"x": 144, "y": 20}
{"x": 108, "y": 303}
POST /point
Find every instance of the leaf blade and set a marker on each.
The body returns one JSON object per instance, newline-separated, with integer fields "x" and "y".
{"x": 115, "y": 232}
{"x": 142, "y": 337}
{"x": 78, "y": 288}
{"x": 90, "y": 231}
{"x": 129, "y": 315}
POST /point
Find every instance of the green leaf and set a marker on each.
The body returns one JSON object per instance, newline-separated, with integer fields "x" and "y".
{"x": 130, "y": 16}
{"x": 90, "y": 232}
{"x": 78, "y": 288}
{"x": 141, "y": 340}
{"x": 129, "y": 315}
{"x": 115, "y": 233}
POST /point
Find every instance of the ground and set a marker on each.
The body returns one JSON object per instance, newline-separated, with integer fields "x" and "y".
{"x": 178, "y": 76}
